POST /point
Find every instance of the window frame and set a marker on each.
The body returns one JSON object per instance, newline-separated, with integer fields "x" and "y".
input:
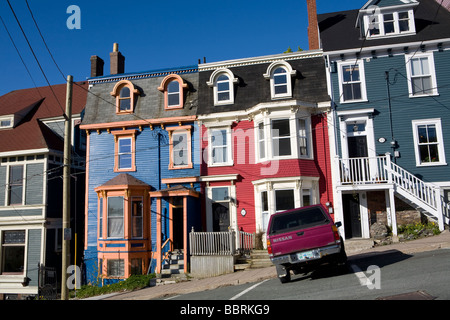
{"x": 214, "y": 83}
{"x": 16, "y": 183}
{"x": 431, "y": 66}
{"x": 362, "y": 80}
{"x": 229, "y": 146}
{"x": 3, "y": 255}
{"x": 137, "y": 219}
{"x": 117, "y": 91}
{"x": 440, "y": 142}
{"x": 380, "y": 14}
{"x": 298, "y": 184}
{"x": 270, "y": 75}
{"x": 164, "y": 88}
{"x": 294, "y": 128}
{"x": 180, "y": 130}
{"x": 108, "y": 231}
{"x": 121, "y": 135}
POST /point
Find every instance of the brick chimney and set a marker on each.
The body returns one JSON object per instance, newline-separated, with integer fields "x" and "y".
{"x": 97, "y": 64}
{"x": 313, "y": 27}
{"x": 117, "y": 61}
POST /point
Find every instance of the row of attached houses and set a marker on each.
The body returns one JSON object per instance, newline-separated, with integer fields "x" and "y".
{"x": 356, "y": 123}
{"x": 211, "y": 147}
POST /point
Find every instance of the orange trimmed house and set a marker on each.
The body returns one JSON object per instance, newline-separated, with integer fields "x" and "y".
{"x": 142, "y": 174}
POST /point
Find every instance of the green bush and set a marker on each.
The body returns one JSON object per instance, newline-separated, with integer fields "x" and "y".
{"x": 134, "y": 282}
{"x": 417, "y": 230}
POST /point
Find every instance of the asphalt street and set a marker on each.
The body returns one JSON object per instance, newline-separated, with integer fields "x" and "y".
{"x": 381, "y": 276}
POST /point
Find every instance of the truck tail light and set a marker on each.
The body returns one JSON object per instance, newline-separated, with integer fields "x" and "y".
{"x": 337, "y": 237}
{"x": 269, "y": 248}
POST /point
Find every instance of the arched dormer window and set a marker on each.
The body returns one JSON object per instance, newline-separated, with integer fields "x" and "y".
{"x": 222, "y": 81}
{"x": 173, "y": 88}
{"x": 280, "y": 74}
{"x": 125, "y": 94}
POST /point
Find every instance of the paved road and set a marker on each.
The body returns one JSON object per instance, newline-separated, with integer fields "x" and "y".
{"x": 391, "y": 274}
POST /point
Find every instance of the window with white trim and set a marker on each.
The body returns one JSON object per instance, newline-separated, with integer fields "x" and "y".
{"x": 13, "y": 252}
{"x": 421, "y": 75}
{"x": 283, "y": 138}
{"x": 223, "y": 82}
{"x": 220, "y": 147}
{"x": 276, "y": 195}
{"x": 352, "y": 82}
{"x": 384, "y": 23}
{"x": 428, "y": 142}
{"x": 16, "y": 185}
{"x": 280, "y": 74}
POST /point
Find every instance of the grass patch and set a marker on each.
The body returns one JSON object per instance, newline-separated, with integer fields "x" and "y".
{"x": 134, "y": 282}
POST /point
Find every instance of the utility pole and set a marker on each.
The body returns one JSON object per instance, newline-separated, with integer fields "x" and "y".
{"x": 66, "y": 236}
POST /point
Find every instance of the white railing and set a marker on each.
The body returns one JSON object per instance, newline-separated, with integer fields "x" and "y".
{"x": 219, "y": 243}
{"x": 364, "y": 171}
{"x": 426, "y": 193}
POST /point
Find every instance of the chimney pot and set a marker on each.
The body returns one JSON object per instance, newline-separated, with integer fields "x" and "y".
{"x": 117, "y": 61}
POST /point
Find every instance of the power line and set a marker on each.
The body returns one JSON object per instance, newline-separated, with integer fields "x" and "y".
{"x": 35, "y": 57}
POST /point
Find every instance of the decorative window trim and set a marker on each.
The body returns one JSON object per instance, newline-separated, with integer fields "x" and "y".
{"x": 229, "y": 146}
{"x": 269, "y": 75}
{"x": 133, "y": 92}
{"x": 213, "y": 82}
{"x": 379, "y": 15}
{"x": 178, "y": 130}
{"x": 301, "y": 186}
{"x": 362, "y": 80}
{"x": 6, "y": 122}
{"x": 123, "y": 135}
{"x": 440, "y": 142}
{"x": 164, "y": 89}
{"x": 431, "y": 65}
{"x": 294, "y": 126}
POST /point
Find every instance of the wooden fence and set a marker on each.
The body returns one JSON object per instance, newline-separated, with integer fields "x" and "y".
{"x": 220, "y": 243}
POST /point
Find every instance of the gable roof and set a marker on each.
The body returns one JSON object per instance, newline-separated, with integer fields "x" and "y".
{"x": 31, "y": 106}
{"x": 338, "y": 32}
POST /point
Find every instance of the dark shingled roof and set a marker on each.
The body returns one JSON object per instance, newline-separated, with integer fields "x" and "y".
{"x": 124, "y": 179}
{"x": 338, "y": 31}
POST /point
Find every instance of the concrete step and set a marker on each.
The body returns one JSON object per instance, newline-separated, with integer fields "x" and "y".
{"x": 357, "y": 245}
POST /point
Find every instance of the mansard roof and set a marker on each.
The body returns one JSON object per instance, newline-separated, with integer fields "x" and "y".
{"x": 101, "y": 105}
{"x": 253, "y": 85}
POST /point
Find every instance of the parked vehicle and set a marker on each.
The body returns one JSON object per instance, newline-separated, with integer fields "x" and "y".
{"x": 302, "y": 239}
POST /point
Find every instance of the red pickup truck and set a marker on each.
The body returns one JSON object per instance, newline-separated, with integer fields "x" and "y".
{"x": 301, "y": 239}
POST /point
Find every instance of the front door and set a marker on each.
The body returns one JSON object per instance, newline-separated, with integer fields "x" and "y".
{"x": 352, "y": 216}
{"x": 177, "y": 222}
{"x": 220, "y": 209}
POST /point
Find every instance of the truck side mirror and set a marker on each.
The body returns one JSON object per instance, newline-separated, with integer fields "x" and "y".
{"x": 338, "y": 224}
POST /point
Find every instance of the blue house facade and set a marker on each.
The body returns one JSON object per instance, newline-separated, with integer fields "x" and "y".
{"x": 388, "y": 77}
{"x": 142, "y": 186}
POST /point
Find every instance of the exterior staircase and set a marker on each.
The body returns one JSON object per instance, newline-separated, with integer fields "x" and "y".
{"x": 380, "y": 170}
{"x": 173, "y": 264}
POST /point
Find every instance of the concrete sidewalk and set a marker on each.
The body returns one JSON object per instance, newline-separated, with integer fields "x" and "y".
{"x": 441, "y": 241}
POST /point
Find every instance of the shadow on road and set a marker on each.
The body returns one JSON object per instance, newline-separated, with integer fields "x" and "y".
{"x": 362, "y": 261}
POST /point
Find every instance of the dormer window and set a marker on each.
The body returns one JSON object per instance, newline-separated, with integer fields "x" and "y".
{"x": 125, "y": 93}
{"x": 6, "y": 122}
{"x": 222, "y": 81}
{"x": 173, "y": 88}
{"x": 385, "y": 23}
{"x": 280, "y": 75}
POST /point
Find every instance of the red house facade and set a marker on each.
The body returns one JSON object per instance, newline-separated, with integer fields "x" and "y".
{"x": 264, "y": 138}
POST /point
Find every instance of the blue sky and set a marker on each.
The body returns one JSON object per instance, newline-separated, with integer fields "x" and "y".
{"x": 151, "y": 34}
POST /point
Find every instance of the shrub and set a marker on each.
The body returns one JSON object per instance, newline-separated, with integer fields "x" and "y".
{"x": 134, "y": 282}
